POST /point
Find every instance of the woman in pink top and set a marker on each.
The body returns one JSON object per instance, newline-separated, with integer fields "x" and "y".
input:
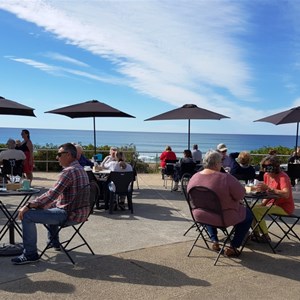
{"x": 230, "y": 192}
{"x": 275, "y": 182}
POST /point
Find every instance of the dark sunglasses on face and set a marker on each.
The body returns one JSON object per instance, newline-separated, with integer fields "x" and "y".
{"x": 268, "y": 168}
{"x": 59, "y": 154}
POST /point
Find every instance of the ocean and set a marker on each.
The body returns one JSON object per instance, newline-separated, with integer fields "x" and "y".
{"x": 149, "y": 144}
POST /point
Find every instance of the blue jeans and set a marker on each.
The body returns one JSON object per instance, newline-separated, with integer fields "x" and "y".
{"x": 52, "y": 217}
{"x": 241, "y": 230}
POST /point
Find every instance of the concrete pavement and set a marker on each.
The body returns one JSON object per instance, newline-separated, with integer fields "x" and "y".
{"x": 144, "y": 256}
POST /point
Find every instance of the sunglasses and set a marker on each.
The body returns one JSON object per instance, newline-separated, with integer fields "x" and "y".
{"x": 59, "y": 154}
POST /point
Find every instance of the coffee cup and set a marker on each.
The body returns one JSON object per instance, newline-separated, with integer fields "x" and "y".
{"x": 26, "y": 184}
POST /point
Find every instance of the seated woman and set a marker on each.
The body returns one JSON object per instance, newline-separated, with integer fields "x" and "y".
{"x": 241, "y": 168}
{"x": 186, "y": 159}
{"x": 119, "y": 165}
{"x": 230, "y": 192}
{"x": 275, "y": 182}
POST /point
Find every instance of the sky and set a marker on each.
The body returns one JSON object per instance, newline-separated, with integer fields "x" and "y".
{"x": 146, "y": 57}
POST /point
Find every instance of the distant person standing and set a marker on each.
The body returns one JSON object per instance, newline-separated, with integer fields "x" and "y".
{"x": 27, "y": 147}
{"x": 197, "y": 154}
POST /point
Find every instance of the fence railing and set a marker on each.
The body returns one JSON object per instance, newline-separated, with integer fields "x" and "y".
{"x": 44, "y": 158}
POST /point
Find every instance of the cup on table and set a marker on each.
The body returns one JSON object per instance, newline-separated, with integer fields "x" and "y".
{"x": 26, "y": 184}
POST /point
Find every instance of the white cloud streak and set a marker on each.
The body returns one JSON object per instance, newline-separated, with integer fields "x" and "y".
{"x": 190, "y": 45}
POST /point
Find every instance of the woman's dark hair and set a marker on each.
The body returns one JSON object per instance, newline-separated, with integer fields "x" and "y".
{"x": 274, "y": 161}
{"x": 27, "y": 132}
{"x": 187, "y": 153}
{"x": 69, "y": 147}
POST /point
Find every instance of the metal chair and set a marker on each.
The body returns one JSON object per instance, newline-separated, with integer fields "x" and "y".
{"x": 12, "y": 167}
{"x": 208, "y": 202}
{"x": 286, "y": 224}
{"x": 64, "y": 245}
{"x": 120, "y": 184}
{"x": 168, "y": 172}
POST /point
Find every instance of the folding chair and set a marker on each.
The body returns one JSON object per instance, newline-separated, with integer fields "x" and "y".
{"x": 168, "y": 172}
{"x": 286, "y": 224}
{"x": 64, "y": 245}
{"x": 120, "y": 184}
{"x": 184, "y": 183}
{"x": 208, "y": 202}
{"x": 12, "y": 167}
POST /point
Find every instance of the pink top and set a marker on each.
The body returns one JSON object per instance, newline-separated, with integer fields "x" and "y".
{"x": 280, "y": 182}
{"x": 230, "y": 192}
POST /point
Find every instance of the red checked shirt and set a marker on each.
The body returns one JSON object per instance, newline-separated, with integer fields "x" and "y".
{"x": 71, "y": 192}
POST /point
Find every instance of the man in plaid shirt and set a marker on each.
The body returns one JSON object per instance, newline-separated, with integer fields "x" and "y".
{"x": 67, "y": 201}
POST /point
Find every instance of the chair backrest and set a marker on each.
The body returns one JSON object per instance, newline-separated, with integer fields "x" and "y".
{"x": 12, "y": 167}
{"x": 189, "y": 167}
{"x": 123, "y": 181}
{"x": 293, "y": 170}
{"x": 205, "y": 199}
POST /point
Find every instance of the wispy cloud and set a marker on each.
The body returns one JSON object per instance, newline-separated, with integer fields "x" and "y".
{"x": 190, "y": 47}
{"x": 61, "y": 71}
{"x": 64, "y": 58}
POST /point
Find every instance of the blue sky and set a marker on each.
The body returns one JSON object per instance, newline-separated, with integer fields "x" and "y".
{"x": 238, "y": 58}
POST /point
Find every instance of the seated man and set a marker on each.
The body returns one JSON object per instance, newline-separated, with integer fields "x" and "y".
{"x": 11, "y": 153}
{"x": 58, "y": 205}
{"x": 83, "y": 161}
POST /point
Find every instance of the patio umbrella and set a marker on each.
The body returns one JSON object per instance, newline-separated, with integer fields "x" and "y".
{"x": 288, "y": 116}
{"x": 89, "y": 109}
{"x": 9, "y": 107}
{"x": 188, "y": 112}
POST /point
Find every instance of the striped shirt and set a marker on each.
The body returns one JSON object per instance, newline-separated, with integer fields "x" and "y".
{"x": 71, "y": 192}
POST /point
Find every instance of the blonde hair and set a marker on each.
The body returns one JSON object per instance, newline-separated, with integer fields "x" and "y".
{"x": 244, "y": 158}
{"x": 121, "y": 159}
{"x": 168, "y": 148}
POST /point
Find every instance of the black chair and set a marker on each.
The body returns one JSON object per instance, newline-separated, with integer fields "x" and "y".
{"x": 184, "y": 183}
{"x": 286, "y": 224}
{"x": 135, "y": 174}
{"x": 168, "y": 172}
{"x": 65, "y": 245}
{"x": 293, "y": 170}
{"x": 12, "y": 167}
{"x": 205, "y": 199}
{"x": 120, "y": 184}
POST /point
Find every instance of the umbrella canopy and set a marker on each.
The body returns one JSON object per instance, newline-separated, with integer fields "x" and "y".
{"x": 286, "y": 117}
{"x": 90, "y": 109}
{"x": 188, "y": 112}
{"x": 9, "y": 107}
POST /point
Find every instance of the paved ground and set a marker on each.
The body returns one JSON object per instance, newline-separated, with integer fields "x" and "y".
{"x": 144, "y": 256}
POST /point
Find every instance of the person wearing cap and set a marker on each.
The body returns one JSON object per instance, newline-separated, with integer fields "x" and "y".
{"x": 111, "y": 157}
{"x": 226, "y": 161}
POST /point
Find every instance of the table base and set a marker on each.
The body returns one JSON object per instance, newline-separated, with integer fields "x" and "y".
{"x": 11, "y": 249}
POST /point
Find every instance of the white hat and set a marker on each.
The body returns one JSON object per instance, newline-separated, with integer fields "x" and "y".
{"x": 221, "y": 147}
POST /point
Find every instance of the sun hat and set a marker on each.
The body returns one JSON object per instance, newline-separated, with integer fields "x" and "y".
{"x": 114, "y": 148}
{"x": 221, "y": 147}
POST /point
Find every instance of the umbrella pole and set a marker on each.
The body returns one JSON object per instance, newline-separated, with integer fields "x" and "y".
{"x": 189, "y": 131}
{"x": 94, "y": 135}
{"x": 297, "y": 137}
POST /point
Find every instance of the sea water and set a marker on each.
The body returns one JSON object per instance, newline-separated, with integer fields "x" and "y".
{"x": 149, "y": 144}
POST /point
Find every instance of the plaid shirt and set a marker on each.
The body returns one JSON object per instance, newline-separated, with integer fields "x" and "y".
{"x": 71, "y": 192}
